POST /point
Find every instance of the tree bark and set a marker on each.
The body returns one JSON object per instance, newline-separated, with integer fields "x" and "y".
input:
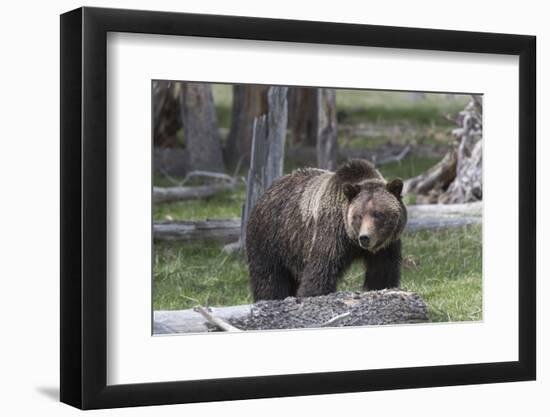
{"x": 166, "y": 113}
{"x": 266, "y": 159}
{"x": 257, "y": 178}
{"x": 468, "y": 183}
{"x": 249, "y": 102}
{"x": 202, "y": 141}
{"x": 277, "y": 118}
{"x": 302, "y": 115}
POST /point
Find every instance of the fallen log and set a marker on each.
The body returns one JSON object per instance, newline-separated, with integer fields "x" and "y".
{"x": 226, "y": 230}
{"x": 182, "y": 193}
{"x": 190, "y": 321}
{"x": 340, "y": 309}
{"x": 421, "y": 217}
{"x": 445, "y": 210}
{"x": 434, "y": 223}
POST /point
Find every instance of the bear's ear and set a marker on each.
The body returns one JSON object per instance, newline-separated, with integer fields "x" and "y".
{"x": 351, "y": 190}
{"x": 395, "y": 187}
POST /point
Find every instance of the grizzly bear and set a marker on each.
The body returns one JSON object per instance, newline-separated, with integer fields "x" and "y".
{"x": 309, "y": 226}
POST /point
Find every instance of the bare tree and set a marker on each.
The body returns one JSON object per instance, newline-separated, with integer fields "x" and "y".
{"x": 266, "y": 156}
{"x": 200, "y": 123}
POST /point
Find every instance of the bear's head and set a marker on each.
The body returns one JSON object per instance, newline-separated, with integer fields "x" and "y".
{"x": 374, "y": 215}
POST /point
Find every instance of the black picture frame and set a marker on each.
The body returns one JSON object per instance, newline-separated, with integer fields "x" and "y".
{"x": 84, "y": 207}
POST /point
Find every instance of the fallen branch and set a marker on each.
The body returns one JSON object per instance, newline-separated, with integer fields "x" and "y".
{"x": 216, "y": 321}
{"x": 335, "y": 319}
{"x": 392, "y": 158}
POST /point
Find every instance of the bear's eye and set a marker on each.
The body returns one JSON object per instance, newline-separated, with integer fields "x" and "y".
{"x": 376, "y": 214}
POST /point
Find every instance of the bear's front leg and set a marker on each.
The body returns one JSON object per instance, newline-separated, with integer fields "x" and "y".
{"x": 318, "y": 278}
{"x": 383, "y": 267}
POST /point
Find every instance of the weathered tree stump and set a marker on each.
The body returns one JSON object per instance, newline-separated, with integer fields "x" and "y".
{"x": 266, "y": 156}
{"x": 457, "y": 178}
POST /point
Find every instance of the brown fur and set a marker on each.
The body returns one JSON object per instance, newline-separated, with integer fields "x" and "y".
{"x": 304, "y": 231}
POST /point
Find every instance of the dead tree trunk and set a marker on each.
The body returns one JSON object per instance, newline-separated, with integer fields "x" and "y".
{"x": 457, "y": 178}
{"x": 277, "y": 117}
{"x": 266, "y": 157}
{"x": 249, "y": 102}
{"x": 327, "y": 129}
{"x": 200, "y": 123}
{"x": 257, "y": 178}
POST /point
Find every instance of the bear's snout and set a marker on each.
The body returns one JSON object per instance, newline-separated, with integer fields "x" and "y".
{"x": 364, "y": 241}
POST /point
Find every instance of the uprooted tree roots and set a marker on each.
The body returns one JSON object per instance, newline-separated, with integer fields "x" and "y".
{"x": 457, "y": 178}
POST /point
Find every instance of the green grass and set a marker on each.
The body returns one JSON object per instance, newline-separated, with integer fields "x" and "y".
{"x": 187, "y": 275}
{"x": 395, "y": 134}
{"x": 447, "y": 274}
{"x": 407, "y": 168}
{"x": 360, "y": 105}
